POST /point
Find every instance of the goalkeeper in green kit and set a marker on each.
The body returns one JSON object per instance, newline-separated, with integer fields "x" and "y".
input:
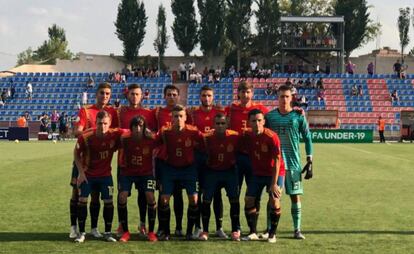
{"x": 290, "y": 125}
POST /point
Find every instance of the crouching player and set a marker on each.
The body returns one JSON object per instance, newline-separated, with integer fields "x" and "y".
{"x": 221, "y": 146}
{"x": 263, "y": 147}
{"x": 93, "y": 157}
{"x": 137, "y": 168}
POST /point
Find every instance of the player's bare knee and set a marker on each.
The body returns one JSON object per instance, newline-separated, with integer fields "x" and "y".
{"x": 295, "y": 198}
{"x": 123, "y": 197}
{"x": 192, "y": 199}
{"x": 249, "y": 201}
{"x": 150, "y": 197}
{"x": 164, "y": 200}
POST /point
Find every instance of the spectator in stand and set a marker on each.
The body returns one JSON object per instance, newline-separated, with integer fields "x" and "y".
{"x": 21, "y": 122}
{"x": 44, "y": 122}
{"x": 182, "y": 70}
{"x": 317, "y": 67}
{"x": 63, "y": 126}
{"x": 288, "y": 82}
{"x": 146, "y": 94}
{"x": 117, "y": 77}
{"x": 91, "y": 82}
{"x": 360, "y": 91}
{"x": 4, "y": 96}
{"x": 1, "y": 102}
{"x": 193, "y": 77}
{"x": 269, "y": 89}
{"x": 84, "y": 100}
{"x": 191, "y": 66}
{"x": 370, "y": 69}
{"x": 29, "y": 90}
{"x": 381, "y": 128}
{"x": 303, "y": 102}
{"x": 125, "y": 91}
{"x": 205, "y": 72}
{"x": 253, "y": 66}
{"x": 404, "y": 68}
{"x": 12, "y": 91}
{"x": 354, "y": 90}
{"x": 232, "y": 71}
{"x": 54, "y": 118}
{"x": 308, "y": 83}
{"x": 397, "y": 68}
{"x": 117, "y": 103}
{"x": 319, "y": 84}
{"x": 350, "y": 67}
{"x": 294, "y": 93}
{"x": 394, "y": 96}
{"x": 320, "y": 95}
{"x": 27, "y": 116}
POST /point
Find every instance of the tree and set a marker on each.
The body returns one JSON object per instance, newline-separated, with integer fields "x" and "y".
{"x": 211, "y": 32}
{"x": 267, "y": 15}
{"x": 161, "y": 42}
{"x": 130, "y": 27}
{"x": 26, "y": 57}
{"x": 185, "y": 26}
{"x": 359, "y": 28}
{"x": 238, "y": 24}
{"x": 403, "y": 28}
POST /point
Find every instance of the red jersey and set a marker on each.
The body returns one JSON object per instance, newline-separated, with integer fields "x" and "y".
{"x": 221, "y": 151}
{"x": 125, "y": 114}
{"x": 97, "y": 152}
{"x": 163, "y": 116}
{"x": 239, "y": 115}
{"x": 262, "y": 150}
{"x": 203, "y": 119}
{"x": 179, "y": 145}
{"x": 87, "y": 116}
{"x": 136, "y": 156}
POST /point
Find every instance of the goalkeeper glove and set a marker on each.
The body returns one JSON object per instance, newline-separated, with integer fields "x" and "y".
{"x": 308, "y": 170}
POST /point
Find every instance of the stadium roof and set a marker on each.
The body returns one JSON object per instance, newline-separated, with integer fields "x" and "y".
{"x": 312, "y": 19}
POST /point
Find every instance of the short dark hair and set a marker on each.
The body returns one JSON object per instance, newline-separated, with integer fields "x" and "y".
{"x": 220, "y": 115}
{"x": 102, "y": 114}
{"x": 243, "y": 86}
{"x": 254, "y": 112}
{"x": 134, "y": 86}
{"x": 103, "y": 86}
{"x": 206, "y": 88}
{"x": 137, "y": 120}
{"x": 283, "y": 88}
{"x": 178, "y": 108}
{"x": 171, "y": 87}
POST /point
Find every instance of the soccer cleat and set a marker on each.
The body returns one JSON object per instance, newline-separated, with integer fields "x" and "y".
{"x": 197, "y": 233}
{"x": 108, "y": 237}
{"x": 220, "y": 233}
{"x": 81, "y": 238}
{"x": 264, "y": 235}
{"x": 73, "y": 232}
{"x": 125, "y": 237}
{"x": 152, "y": 237}
{"x": 179, "y": 233}
{"x": 271, "y": 238}
{"x": 235, "y": 236}
{"x": 119, "y": 231}
{"x": 95, "y": 233}
{"x": 164, "y": 237}
{"x": 142, "y": 229}
{"x": 189, "y": 237}
{"x": 298, "y": 235}
{"x": 203, "y": 236}
{"x": 251, "y": 237}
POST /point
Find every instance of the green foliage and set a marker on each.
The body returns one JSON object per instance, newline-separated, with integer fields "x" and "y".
{"x": 161, "y": 42}
{"x": 404, "y": 27}
{"x": 359, "y": 28}
{"x": 212, "y": 13}
{"x": 49, "y": 51}
{"x": 130, "y": 27}
{"x": 238, "y": 24}
{"x": 306, "y": 7}
{"x": 185, "y": 26}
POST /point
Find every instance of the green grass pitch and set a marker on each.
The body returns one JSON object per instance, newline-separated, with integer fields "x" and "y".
{"x": 360, "y": 201}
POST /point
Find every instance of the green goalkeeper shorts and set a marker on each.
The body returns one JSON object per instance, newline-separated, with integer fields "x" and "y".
{"x": 293, "y": 182}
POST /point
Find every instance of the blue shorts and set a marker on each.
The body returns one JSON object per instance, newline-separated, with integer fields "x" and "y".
{"x": 217, "y": 179}
{"x": 185, "y": 176}
{"x": 244, "y": 168}
{"x": 103, "y": 185}
{"x": 257, "y": 183}
{"x": 74, "y": 175}
{"x": 142, "y": 183}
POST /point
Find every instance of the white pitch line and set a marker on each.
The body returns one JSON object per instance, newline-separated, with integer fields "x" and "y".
{"x": 379, "y": 154}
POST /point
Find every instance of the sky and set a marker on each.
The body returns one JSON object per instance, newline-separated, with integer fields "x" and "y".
{"x": 89, "y": 26}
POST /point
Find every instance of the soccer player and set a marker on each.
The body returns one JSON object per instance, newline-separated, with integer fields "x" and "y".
{"x": 203, "y": 118}
{"x": 125, "y": 115}
{"x": 93, "y": 157}
{"x": 137, "y": 168}
{"x": 87, "y": 120}
{"x": 163, "y": 116}
{"x": 221, "y": 146}
{"x": 263, "y": 147}
{"x": 290, "y": 125}
{"x": 179, "y": 141}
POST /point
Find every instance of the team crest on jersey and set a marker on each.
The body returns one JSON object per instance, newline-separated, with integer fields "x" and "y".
{"x": 207, "y": 118}
{"x": 145, "y": 151}
{"x": 230, "y": 148}
{"x": 264, "y": 148}
{"x": 187, "y": 142}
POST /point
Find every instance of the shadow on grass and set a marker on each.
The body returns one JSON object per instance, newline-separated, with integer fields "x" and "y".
{"x": 63, "y": 237}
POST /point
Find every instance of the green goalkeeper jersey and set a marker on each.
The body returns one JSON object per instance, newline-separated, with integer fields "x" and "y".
{"x": 289, "y": 128}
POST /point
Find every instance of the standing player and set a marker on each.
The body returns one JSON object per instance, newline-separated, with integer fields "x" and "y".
{"x": 221, "y": 146}
{"x": 179, "y": 141}
{"x": 87, "y": 120}
{"x": 93, "y": 157}
{"x": 263, "y": 147}
{"x": 203, "y": 118}
{"x": 290, "y": 125}
{"x": 125, "y": 115}
{"x": 137, "y": 168}
{"x": 163, "y": 116}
